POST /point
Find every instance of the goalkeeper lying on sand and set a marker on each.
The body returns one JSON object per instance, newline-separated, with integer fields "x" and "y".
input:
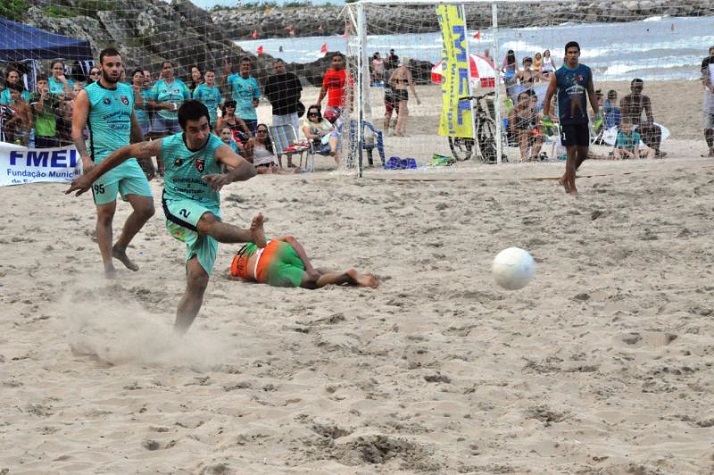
{"x": 283, "y": 262}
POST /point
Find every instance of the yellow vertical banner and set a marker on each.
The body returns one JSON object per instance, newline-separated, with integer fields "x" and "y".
{"x": 456, "y": 116}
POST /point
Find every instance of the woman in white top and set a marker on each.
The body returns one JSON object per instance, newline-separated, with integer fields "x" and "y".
{"x": 321, "y": 133}
{"x": 547, "y": 65}
{"x": 262, "y": 154}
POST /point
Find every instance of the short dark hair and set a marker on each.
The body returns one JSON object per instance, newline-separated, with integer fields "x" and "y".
{"x": 636, "y": 81}
{"x": 612, "y": 94}
{"x": 192, "y": 110}
{"x": 107, "y": 52}
{"x": 572, "y": 44}
{"x": 137, "y": 70}
{"x": 246, "y": 59}
{"x": 42, "y": 77}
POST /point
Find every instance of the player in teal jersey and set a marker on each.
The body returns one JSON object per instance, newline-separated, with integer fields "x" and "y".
{"x": 106, "y": 107}
{"x": 244, "y": 90}
{"x": 210, "y": 95}
{"x": 193, "y": 162}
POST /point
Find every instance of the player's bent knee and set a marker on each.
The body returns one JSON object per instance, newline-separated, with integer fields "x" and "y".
{"x": 206, "y": 223}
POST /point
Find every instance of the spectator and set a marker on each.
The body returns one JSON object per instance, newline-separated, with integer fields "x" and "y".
{"x": 323, "y": 135}
{"x": 610, "y": 111}
{"x": 244, "y": 90}
{"x": 64, "y": 121}
{"x": 283, "y": 90}
{"x": 377, "y": 69}
{"x": 94, "y": 75}
{"x": 392, "y": 61}
{"x": 226, "y": 135}
{"x": 262, "y": 155}
{"x": 628, "y": 143}
{"x": 59, "y": 84}
{"x": 537, "y": 64}
{"x": 547, "y": 66}
{"x": 45, "y": 109}
{"x": 209, "y": 94}
{"x": 141, "y": 101}
{"x": 708, "y": 104}
{"x": 390, "y": 105}
{"x": 632, "y": 106}
{"x": 402, "y": 81}
{"x": 238, "y": 127}
{"x": 13, "y": 76}
{"x": 527, "y": 76}
{"x": 18, "y": 126}
{"x": 522, "y": 122}
{"x": 334, "y": 85}
{"x": 165, "y": 97}
{"x": 196, "y": 78}
{"x": 510, "y": 68}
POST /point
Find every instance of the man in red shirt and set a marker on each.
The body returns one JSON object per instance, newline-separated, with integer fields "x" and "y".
{"x": 334, "y": 86}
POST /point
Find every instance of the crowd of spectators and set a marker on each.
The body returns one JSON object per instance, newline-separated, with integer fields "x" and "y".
{"x": 41, "y": 116}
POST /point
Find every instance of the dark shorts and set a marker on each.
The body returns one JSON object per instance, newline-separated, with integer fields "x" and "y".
{"x": 252, "y": 125}
{"x": 575, "y": 135}
{"x": 401, "y": 95}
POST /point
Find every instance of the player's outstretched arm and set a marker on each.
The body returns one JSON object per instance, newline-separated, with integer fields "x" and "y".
{"x": 142, "y": 150}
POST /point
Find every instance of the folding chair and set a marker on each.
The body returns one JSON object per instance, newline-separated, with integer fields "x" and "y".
{"x": 285, "y": 142}
{"x": 368, "y": 145}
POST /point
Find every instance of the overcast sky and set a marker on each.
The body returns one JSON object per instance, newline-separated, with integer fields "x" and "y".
{"x": 207, "y": 4}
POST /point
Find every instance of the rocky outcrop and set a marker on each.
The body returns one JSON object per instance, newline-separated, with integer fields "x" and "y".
{"x": 240, "y": 23}
{"x": 150, "y": 31}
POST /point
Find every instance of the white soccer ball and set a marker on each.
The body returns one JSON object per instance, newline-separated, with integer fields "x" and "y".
{"x": 513, "y": 268}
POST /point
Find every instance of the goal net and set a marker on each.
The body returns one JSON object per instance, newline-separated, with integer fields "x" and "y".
{"x": 655, "y": 41}
{"x": 663, "y": 42}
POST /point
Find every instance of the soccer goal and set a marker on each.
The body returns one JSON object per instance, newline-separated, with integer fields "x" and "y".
{"x": 663, "y": 42}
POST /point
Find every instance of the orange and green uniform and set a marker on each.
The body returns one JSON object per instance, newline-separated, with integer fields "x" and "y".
{"x": 277, "y": 264}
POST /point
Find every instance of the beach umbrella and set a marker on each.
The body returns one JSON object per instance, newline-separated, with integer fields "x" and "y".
{"x": 483, "y": 73}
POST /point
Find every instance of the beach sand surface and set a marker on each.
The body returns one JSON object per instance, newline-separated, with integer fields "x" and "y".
{"x": 602, "y": 364}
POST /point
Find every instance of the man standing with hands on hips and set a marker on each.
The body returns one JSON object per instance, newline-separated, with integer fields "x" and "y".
{"x": 106, "y": 108}
{"x": 572, "y": 82}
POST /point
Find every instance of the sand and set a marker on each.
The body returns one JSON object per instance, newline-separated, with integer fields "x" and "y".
{"x": 603, "y": 364}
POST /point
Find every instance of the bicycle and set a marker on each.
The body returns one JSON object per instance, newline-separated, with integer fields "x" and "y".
{"x": 484, "y": 146}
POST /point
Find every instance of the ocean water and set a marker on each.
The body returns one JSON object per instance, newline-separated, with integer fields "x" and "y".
{"x": 657, "y": 48}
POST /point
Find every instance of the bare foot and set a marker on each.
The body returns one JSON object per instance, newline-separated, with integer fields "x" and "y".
{"x": 562, "y": 182}
{"x": 110, "y": 271}
{"x": 257, "y": 231}
{"x": 364, "y": 280}
{"x": 119, "y": 253}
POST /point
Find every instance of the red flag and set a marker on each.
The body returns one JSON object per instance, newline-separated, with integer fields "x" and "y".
{"x": 255, "y": 34}
{"x": 260, "y": 50}
{"x": 323, "y": 48}
{"x": 477, "y": 35}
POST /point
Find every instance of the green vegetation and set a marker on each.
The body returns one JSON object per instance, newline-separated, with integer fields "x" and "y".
{"x": 13, "y": 9}
{"x": 58, "y": 11}
{"x": 297, "y": 4}
{"x": 90, "y": 7}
